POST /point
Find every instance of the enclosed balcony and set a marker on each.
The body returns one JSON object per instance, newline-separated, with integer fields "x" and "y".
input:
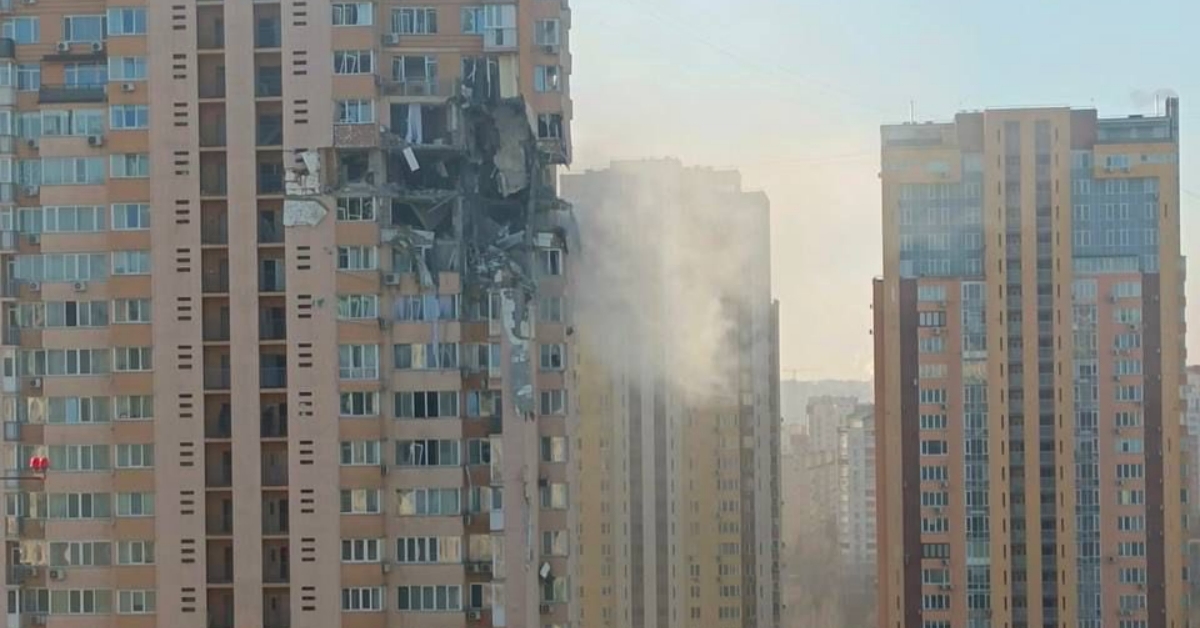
{"x": 218, "y": 513}
{"x": 218, "y": 418}
{"x": 277, "y": 609}
{"x": 268, "y": 31}
{"x": 273, "y": 419}
{"x": 212, "y": 125}
{"x": 274, "y": 464}
{"x": 270, "y": 173}
{"x": 269, "y": 124}
{"x": 270, "y": 221}
{"x": 268, "y": 78}
{"x": 214, "y": 269}
{"x": 49, "y": 93}
{"x": 211, "y": 76}
{"x": 214, "y": 174}
{"x": 218, "y": 465}
{"x": 214, "y": 223}
{"x": 271, "y": 274}
{"x": 210, "y": 27}
{"x": 275, "y": 516}
{"x": 276, "y": 564}
{"x": 217, "y": 375}
{"x": 220, "y": 561}
{"x": 216, "y": 321}
{"x": 272, "y": 319}
{"x": 273, "y": 367}
{"x": 220, "y": 608}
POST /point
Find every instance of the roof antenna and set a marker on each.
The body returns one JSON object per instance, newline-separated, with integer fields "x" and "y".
{"x": 912, "y": 112}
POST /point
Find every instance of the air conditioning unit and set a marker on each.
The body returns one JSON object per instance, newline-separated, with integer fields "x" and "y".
{"x": 945, "y": 484}
{"x": 32, "y": 190}
{"x": 32, "y": 143}
{"x": 34, "y": 239}
{"x": 35, "y": 383}
{"x": 128, "y": 87}
{"x": 391, "y": 39}
{"x": 945, "y": 587}
{"x": 391, "y": 279}
{"x": 550, "y": 49}
{"x": 95, "y": 140}
{"x": 63, "y": 46}
{"x": 97, "y": 46}
{"x": 474, "y": 615}
{"x": 58, "y": 574}
{"x": 34, "y": 286}
{"x": 81, "y": 286}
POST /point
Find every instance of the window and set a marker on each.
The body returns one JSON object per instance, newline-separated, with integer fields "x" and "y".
{"x": 481, "y": 403}
{"x": 931, "y": 344}
{"x": 69, "y": 362}
{"x": 135, "y": 552}
{"x": 1131, "y": 548}
{"x": 362, "y": 599}
{"x": 444, "y": 452}
{"x": 934, "y": 473}
{"x": 357, "y": 111}
{"x": 546, "y": 33}
{"x": 124, "y": 117}
{"x": 415, "y": 21}
{"x": 554, "y": 449}
{"x": 90, "y": 74}
{"x": 479, "y": 451}
{"x": 430, "y": 598}
{"x": 140, "y": 456}
{"x": 79, "y": 457}
{"x": 135, "y": 504}
{"x": 938, "y": 499}
{"x": 551, "y": 262}
{"x": 360, "y": 501}
{"x": 441, "y": 356}
{"x": 130, "y": 216}
{"x": 63, "y": 314}
{"x": 554, "y": 543}
{"x": 931, "y": 319}
{"x": 72, "y": 170}
{"x": 1132, "y": 392}
{"x": 353, "y": 62}
{"x": 933, "y": 448}
{"x": 356, "y": 208}
{"x": 933, "y": 421}
{"x": 134, "y": 407}
{"x": 361, "y": 550}
{"x": 935, "y": 525}
{"x": 129, "y": 165}
{"x": 550, "y": 126}
{"x": 932, "y": 395}
{"x": 83, "y": 28}
{"x": 358, "y": 307}
{"x": 76, "y": 410}
{"x": 358, "y": 258}
{"x": 545, "y": 78}
{"x": 550, "y": 310}
{"x": 553, "y": 357}
{"x": 1129, "y": 445}
{"x": 553, "y": 496}
{"x": 79, "y": 505}
{"x": 426, "y": 404}
{"x": 429, "y": 549}
{"x": 359, "y": 404}
{"x": 1128, "y": 419}
{"x": 358, "y": 361}
{"x": 140, "y": 602}
{"x": 132, "y": 359}
{"x": 428, "y": 501}
{"x": 80, "y": 602}
{"x": 554, "y": 590}
{"x": 29, "y": 79}
{"x": 1131, "y": 523}
{"x": 553, "y": 402}
{"x": 426, "y": 308}
{"x": 1127, "y": 497}
{"x": 360, "y": 453}
{"x": 24, "y": 30}
{"x": 62, "y": 219}
{"x": 353, "y": 14}
{"x": 127, "y": 68}
{"x": 126, "y": 21}
{"x": 471, "y": 20}
{"x": 72, "y": 122}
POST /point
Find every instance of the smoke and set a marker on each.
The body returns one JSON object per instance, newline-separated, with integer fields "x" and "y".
{"x": 664, "y": 273}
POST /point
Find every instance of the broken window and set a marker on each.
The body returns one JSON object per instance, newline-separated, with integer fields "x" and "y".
{"x": 472, "y": 20}
{"x": 356, "y": 111}
{"x": 551, "y": 260}
{"x": 414, "y": 21}
{"x": 405, "y": 260}
{"x": 546, "y": 33}
{"x": 482, "y": 74}
{"x": 354, "y": 62}
{"x": 358, "y": 306}
{"x": 545, "y": 78}
{"x": 358, "y": 361}
{"x": 553, "y": 357}
{"x": 500, "y": 25}
{"x": 354, "y": 167}
{"x": 415, "y": 72}
{"x": 353, "y": 14}
{"x": 356, "y": 209}
{"x": 550, "y": 126}
{"x": 357, "y": 258}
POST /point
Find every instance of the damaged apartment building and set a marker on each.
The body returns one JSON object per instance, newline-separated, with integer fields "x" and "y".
{"x": 292, "y": 318}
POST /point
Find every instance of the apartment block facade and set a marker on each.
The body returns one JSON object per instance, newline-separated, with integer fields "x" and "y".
{"x": 678, "y": 373}
{"x": 1029, "y": 364}
{"x": 856, "y": 497}
{"x": 283, "y": 293}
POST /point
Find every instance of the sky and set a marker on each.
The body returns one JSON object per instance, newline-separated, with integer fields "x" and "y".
{"x": 792, "y": 93}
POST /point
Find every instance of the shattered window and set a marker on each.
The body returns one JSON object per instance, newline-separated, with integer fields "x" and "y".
{"x": 551, "y": 261}
{"x": 353, "y": 62}
{"x": 353, "y": 14}
{"x": 483, "y": 403}
{"x": 545, "y": 78}
{"x": 550, "y": 126}
{"x": 356, "y": 209}
{"x": 414, "y": 21}
{"x": 414, "y": 69}
{"x": 472, "y": 20}
{"x": 359, "y": 403}
{"x": 430, "y": 404}
{"x": 552, "y": 357}
{"x": 355, "y": 112}
{"x": 358, "y": 306}
{"x": 410, "y": 308}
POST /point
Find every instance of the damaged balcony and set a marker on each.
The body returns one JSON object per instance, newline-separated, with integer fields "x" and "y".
{"x": 424, "y": 126}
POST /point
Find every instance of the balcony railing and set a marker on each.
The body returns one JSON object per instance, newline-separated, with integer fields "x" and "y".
{"x": 215, "y": 282}
{"x": 416, "y": 87}
{"x": 218, "y": 478}
{"x": 271, "y": 283}
{"x": 72, "y": 93}
{"x": 214, "y": 233}
{"x": 220, "y": 427}
{"x": 213, "y": 186}
{"x": 217, "y": 378}
{"x": 268, "y": 87}
{"x": 270, "y": 183}
{"x": 268, "y": 36}
{"x": 270, "y": 233}
{"x": 272, "y": 329}
{"x": 216, "y": 332}
{"x": 211, "y": 90}
{"x": 212, "y": 136}
{"x": 275, "y": 475}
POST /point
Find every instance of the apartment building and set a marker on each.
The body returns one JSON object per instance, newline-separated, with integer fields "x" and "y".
{"x": 856, "y": 498}
{"x": 283, "y": 304}
{"x": 827, "y": 418}
{"x": 678, "y": 375}
{"x": 1029, "y": 370}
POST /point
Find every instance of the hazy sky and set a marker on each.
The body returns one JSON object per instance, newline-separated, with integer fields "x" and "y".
{"x": 792, "y": 92}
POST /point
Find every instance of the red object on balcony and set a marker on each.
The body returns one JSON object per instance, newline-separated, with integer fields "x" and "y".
{"x": 39, "y": 463}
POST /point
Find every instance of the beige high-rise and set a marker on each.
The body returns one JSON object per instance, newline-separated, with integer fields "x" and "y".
{"x": 1028, "y": 369}
{"x": 283, "y": 302}
{"x": 678, "y": 400}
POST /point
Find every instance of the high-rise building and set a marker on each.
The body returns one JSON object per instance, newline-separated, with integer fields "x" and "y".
{"x": 856, "y": 497}
{"x": 1028, "y": 371}
{"x": 678, "y": 397}
{"x": 827, "y": 417}
{"x": 282, "y": 303}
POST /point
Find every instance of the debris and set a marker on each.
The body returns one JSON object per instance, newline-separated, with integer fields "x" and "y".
{"x": 297, "y": 212}
{"x": 410, "y": 156}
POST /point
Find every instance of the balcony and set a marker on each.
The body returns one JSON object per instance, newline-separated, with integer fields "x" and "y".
{"x": 214, "y": 232}
{"x": 219, "y": 515}
{"x": 217, "y": 378}
{"x": 73, "y": 93}
{"x": 273, "y": 376}
{"x": 268, "y": 34}
{"x": 268, "y": 82}
{"x": 8, "y": 46}
{"x": 274, "y": 328}
{"x": 215, "y": 282}
{"x": 422, "y": 86}
{"x": 273, "y": 421}
{"x": 270, "y": 180}
{"x": 271, "y": 277}
{"x": 274, "y": 464}
{"x": 275, "y": 516}
{"x": 276, "y": 562}
{"x": 220, "y": 562}
{"x": 219, "y": 424}
{"x": 270, "y": 229}
{"x": 269, "y": 131}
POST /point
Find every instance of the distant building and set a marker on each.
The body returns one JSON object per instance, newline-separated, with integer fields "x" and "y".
{"x": 856, "y": 494}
